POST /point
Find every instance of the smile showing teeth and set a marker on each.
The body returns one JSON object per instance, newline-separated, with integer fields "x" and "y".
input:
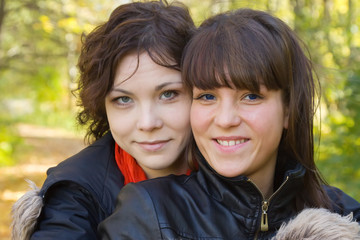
{"x": 231, "y": 142}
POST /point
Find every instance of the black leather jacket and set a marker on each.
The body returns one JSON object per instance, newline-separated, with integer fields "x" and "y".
{"x": 79, "y": 193}
{"x": 207, "y": 206}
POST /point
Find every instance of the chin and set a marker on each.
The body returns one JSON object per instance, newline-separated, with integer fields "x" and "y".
{"x": 229, "y": 172}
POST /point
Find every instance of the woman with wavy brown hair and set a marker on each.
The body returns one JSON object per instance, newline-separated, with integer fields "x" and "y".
{"x": 254, "y": 98}
{"x": 136, "y": 108}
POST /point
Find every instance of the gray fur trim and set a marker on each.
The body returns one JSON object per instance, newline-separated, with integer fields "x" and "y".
{"x": 313, "y": 224}
{"x": 25, "y": 213}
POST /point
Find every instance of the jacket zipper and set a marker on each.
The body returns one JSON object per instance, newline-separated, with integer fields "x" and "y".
{"x": 264, "y": 226}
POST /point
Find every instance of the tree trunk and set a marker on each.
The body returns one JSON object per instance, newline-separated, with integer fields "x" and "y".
{"x": 2, "y": 14}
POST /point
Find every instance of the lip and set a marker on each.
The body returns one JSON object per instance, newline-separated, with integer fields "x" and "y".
{"x": 153, "y": 146}
{"x": 229, "y": 144}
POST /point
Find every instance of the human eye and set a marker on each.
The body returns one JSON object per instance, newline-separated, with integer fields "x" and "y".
{"x": 205, "y": 97}
{"x": 169, "y": 95}
{"x": 123, "y": 100}
{"x": 252, "y": 97}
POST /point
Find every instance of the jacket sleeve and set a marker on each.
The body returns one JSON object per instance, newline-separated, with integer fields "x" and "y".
{"x": 134, "y": 217}
{"x": 343, "y": 204}
{"x": 69, "y": 212}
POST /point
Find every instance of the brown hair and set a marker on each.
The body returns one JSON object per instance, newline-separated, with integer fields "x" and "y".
{"x": 160, "y": 29}
{"x": 246, "y": 48}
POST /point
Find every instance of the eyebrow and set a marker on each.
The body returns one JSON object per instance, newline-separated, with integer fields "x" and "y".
{"x": 122, "y": 91}
{"x": 157, "y": 88}
{"x": 163, "y": 85}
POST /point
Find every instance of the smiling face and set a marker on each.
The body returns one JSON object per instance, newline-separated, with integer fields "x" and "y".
{"x": 238, "y": 131}
{"x": 148, "y": 115}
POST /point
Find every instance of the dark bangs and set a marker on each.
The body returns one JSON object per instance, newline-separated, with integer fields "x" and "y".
{"x": 235, "y": 52}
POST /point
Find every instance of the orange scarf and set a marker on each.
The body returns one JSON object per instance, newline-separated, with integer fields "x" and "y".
{"x": 130, "y": 169}
{"x": 128, "y": 166}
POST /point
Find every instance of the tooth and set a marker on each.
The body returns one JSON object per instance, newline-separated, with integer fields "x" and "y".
{"x": 231, "y": 142}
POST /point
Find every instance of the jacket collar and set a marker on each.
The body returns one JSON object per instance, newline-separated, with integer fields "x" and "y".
{"x": 243, "y": 197}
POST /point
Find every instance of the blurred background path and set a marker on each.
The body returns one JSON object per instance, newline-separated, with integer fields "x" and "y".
{"x": 42, "y": 148}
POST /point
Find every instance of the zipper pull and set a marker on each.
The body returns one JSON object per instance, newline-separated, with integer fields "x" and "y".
{"x": 264, "y": 217}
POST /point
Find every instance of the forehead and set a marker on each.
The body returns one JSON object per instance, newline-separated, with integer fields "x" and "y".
{"x": 138, "y": 70}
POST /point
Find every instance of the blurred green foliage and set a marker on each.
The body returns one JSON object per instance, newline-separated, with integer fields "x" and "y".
{"x": 40, "y": 41}
{"x": 39, "y": 44}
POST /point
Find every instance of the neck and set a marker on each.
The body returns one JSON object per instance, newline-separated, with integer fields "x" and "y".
{"x": 265, "y": 185}
{"x": 268, "y": 190}
{"x": 264, "y": 181}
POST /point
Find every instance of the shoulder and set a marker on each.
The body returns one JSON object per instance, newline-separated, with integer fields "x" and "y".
{"x": 343, "y": 203}
{"x": 94, "y": 169}
{"x": 166, "y": 193}
{"x": 134, "y": 207}
{"x": 160, "y": 190}
{"x": 171, "y": 185}
{"x": 96, "y": 155}
{"x": 150, "y": 203}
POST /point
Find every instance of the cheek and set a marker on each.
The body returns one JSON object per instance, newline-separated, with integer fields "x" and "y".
{"x": 196, "y": 119}
{"x": 110, "y": 114}
{"x": 201, "y": 118}
{"x": 198, "y": 128}
{"x": 120, "y": 123}
{"x": 267, "y": 120}
{"x": 272, "y": 124}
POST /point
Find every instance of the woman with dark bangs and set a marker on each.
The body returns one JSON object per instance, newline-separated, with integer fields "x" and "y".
{"x": 135, "y": 106}
{"x": 254, "y": 98}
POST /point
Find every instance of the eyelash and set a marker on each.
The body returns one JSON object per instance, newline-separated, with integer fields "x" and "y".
{"x": 174, "y": 93}
{"x": 245, "y": 97}
{"x": 117, "y": 101}
{"x": 252, "y": 95}
{"x": 201, "y": 97}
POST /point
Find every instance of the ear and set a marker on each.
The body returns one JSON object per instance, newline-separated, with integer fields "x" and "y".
{"x": 286, "y": 117}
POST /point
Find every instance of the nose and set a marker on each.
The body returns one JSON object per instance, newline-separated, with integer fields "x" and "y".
{"x": 149, "y": 119}
{"x": 227, "y": 115}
